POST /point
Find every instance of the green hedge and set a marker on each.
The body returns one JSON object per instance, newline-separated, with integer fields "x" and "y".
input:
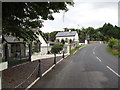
{"x": 56, "y": 48}
{"x": 114, "y": 46}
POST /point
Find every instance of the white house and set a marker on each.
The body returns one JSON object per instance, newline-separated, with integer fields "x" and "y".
{"x": 67, "y": 36}
{"x": 43, "y": 41}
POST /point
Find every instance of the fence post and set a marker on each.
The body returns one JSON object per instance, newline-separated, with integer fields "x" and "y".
{"x": 39, "y": 69}
{"x": 30, "y": 52}
{"x": 54, "y": 58}
{"x": 63, "y": 55}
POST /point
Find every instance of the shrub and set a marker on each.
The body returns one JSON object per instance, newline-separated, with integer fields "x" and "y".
{"x": 113, "y": 43}
{"x": 114, "y": 46}
{"x": 56, "y": 48}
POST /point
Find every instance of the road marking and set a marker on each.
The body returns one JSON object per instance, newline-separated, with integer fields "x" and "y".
{"x": 98, "y": 59}
{"x": 59, "y": 61}
{"x": 94, "y": 50}
{"x": 113, "y": 71}
{"x": 48, "y": 70}
{"x": 32, "y": 83}
{"x": 66, "y": 56}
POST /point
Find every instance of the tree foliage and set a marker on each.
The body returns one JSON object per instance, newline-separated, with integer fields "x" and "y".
{"x": 56, "y": 48}
{"x": 19, "y": 18}
{"x": 103, "y": 33}
{"x": 51, "y": 36}
{"x": 113, "y": 43}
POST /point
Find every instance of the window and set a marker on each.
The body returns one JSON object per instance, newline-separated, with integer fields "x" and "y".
{"x": 66, "y": 40}
{"x": 62, "y": 41}
{"x": 18, "y": 47}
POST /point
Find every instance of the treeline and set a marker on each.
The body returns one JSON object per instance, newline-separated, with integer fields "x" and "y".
{"x": 103, "y": 33}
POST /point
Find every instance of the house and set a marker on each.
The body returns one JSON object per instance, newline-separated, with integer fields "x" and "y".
{"x": 68, "y": 37}
{"x": 17, "y": 48}
{"x": 13, "y": 48}
{"x": 43, "y": 42}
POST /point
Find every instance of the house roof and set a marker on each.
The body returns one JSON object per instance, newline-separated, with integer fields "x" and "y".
{"x": 11, "y": 39}
{"x": 65, "y": 34}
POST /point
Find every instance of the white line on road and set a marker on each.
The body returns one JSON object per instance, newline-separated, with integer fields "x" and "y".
{"x": 94, "y": 50}
{"x": 113, "y": 71}
{"x": 32, "y": 83}
{"x": 48, "y": 70}
{"x": 98, "y": 59}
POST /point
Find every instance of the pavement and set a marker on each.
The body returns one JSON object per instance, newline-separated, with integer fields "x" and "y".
{"x": 90, "y": 67}
{"x": 21, "y": 76}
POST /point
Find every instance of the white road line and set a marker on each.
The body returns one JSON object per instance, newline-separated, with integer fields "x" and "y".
{"x": 113, "y": 71}
{"x": 48, "y": 70}
{"x": 59, "y": 61}
{"x": 32, "y": 83}
{"x": 98, "y": 59}
{"x": 66, "y": 56}
{"x": 94, "y": 50}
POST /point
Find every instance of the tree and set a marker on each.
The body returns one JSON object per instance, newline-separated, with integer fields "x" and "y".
{"x": 56, "y": 49}
{"x": 18, "y": 18}
{"x": 109, "y": 31}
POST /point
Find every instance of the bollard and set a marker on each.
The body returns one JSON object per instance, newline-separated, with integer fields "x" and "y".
{"x": 39, "y": 69}
{"x": 54, "y": 58}
{"x": 63, "y": 55}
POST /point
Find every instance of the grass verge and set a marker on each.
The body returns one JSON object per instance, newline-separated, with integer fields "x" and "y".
{"x": 114, "y": 52}
{"x": 73, "y": 50}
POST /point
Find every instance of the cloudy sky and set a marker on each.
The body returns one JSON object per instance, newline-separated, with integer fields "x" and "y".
{"x": 84, "y": 14}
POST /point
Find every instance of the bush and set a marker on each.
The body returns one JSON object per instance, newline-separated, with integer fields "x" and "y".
{"x": 113, "y": 43}
{"x": 114, "y": 46}
{"x": 56, "y": 48}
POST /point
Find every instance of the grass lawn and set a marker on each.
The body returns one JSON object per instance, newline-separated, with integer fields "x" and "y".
{"x": 72, "y": 51}
{"x": 114, "y": 52}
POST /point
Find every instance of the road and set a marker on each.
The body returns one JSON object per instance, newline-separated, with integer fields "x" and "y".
{"x": 90, "y": 67}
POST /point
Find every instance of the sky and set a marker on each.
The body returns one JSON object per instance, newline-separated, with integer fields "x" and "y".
{"x": 84, "y": 14}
